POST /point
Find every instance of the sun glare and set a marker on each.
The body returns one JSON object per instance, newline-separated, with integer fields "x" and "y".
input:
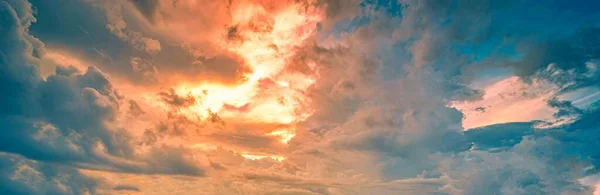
{"x": 267, "y": 94}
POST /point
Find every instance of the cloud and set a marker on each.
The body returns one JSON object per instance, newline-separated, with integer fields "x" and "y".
{"x": 569, "y": 52}
{"x": 298, "y": 97}
{"x": 174, "y": 99}
{"x": 398, "y": 141}
{"x": 147, "y": 8}
{"x": 117, "y": 24}
{"x": 510, "y": 100}
{"x": 129, "y": 53}
{"x": 126, "y": 188}
{"x": 23, "y": 176}
{"x": 67, "y": 117}
{"x": 145, "y": 69}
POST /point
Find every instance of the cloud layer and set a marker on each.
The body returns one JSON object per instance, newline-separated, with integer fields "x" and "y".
{"x": 299, "y": 97}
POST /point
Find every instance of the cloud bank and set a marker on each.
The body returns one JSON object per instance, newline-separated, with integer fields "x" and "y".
{"x": 299, "y": 97}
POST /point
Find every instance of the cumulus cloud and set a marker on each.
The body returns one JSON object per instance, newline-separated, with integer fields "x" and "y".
{"x": 302, "y": 97}
{"x": 416, "y": 110}
{"x": 117, "y": 24}
{"x": 23, "y": 176}
{"x": 66, "y": 118}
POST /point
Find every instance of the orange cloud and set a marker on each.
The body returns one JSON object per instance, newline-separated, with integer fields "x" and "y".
{"x": 265, "y": 33}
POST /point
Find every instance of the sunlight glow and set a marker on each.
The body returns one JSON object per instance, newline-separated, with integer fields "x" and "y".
{"x": 284, "y": 135}
{"x": 258, "y": 157}
{"x": 267, "y": 94}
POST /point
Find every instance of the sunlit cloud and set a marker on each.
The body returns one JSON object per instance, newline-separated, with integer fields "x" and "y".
{"x": 266, "y": 94}
{"x": 299, "y": 97}
{"x": 509, "y": 100}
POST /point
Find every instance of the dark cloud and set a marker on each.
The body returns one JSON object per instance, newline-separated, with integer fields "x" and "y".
{"x": 173, "y": 99}
{"x": 80, "y": 29}
{"x": 461, "y": 39}
{"x": 400, "y": 124}
{"x": 227, "y": 68}
{"x": 175, "y": 124}
{"x": 480, "y": 109}
{"x": 166, "y": 160}
{"x": 418, "y": 129}
{"x": 126, "y": 188}
{"x": 147, "y": 8}
{"x": 498, "y": 136}
{"x": 338, "y": 10}
{"x": 65, "y": 118}
{"x": 567, "y": 52}
{"x": 565, "y": 108}
{"x": 134, "y": 109}
{"x": 577, "y": 138}
{"x": 19, "y": 175}
{"x": 450, "y": 43}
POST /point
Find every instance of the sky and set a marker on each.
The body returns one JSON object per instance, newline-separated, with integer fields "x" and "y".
{"x": 299, "y": 97}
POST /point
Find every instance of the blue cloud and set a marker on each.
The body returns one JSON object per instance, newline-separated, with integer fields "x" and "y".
{"x": 70, "y": 103}
{"x": 19, "y": 175}
{"x": 62, "y": 118}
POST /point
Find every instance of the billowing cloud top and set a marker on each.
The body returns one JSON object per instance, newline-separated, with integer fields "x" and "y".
{"x": 299, "y": 97}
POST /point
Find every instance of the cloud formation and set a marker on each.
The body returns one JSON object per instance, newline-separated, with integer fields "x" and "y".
{"x": 299, "y": 97}
{"x": 68, "y": 117}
